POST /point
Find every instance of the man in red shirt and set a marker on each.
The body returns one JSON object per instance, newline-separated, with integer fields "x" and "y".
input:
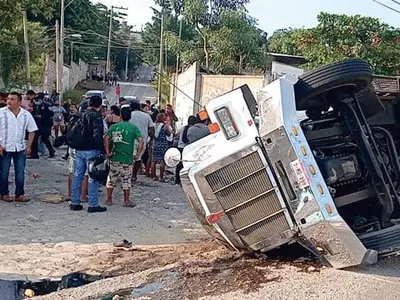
{"x": 118, "y": 90}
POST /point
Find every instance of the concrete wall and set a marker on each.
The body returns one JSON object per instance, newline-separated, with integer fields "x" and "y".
{"x": 195, "y": 90}
{"x": 77, "y": 73}
{"x": 215, "y": 85}
{"x": 49, "y": 82}
{"x": 71, "y": 74}
{"x": 183, "y": 103}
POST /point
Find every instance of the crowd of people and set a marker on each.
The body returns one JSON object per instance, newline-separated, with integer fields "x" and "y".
{"x": 111, "y": 78}
{"x": 134, "y": 138}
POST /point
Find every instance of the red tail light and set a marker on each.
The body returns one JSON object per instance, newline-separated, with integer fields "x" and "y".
{"x": 215, "y": 217}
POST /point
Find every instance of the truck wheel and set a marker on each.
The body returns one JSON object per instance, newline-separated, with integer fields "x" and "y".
{"x": 355, "y": 73}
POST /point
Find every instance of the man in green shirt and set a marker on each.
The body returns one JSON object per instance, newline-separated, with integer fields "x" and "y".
{"x": 119, "y": 144}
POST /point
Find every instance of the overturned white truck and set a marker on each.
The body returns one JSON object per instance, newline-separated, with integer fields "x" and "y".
{"x": 328, "y": 178}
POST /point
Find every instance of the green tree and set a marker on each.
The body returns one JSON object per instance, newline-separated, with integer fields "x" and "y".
{"x": 337, "y": 37}
{"x": 283, "y": 41}
{"x": 12, "y": 54}
{"x": 91, "y": 20}
{"x": 12, "y": 10}
{"x": 237, "y": 36}
{"x": 195, "y": 13}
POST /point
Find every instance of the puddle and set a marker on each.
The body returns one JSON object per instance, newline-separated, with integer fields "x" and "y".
{"x": 13, "y": 287}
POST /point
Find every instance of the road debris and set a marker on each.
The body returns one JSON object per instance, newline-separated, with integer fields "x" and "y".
{"x": 52, "y": 198}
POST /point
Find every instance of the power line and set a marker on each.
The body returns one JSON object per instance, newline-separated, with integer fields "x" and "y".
{"x": 397, "y": 2}
{"x": 169, "y": 81}
{"x": 387, "y": 6}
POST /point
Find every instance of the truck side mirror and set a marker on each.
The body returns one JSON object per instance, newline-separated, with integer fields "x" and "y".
{"x": 172, "y": 157}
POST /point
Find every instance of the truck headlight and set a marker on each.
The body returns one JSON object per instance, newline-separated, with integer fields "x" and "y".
{"x": 228, "y": 125}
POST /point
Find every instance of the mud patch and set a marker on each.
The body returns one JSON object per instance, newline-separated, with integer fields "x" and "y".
{"x": 186, "y": 271}
{"x": 196, "y": 279}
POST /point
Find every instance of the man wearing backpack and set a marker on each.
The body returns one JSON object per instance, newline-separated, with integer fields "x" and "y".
{"x": 86, "y": 137}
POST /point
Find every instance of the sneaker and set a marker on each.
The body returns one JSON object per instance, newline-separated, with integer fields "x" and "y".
{"x": 96, "y": 209}
{"x": 76, "y": 207}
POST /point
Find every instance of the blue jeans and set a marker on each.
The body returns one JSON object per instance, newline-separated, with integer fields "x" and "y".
{"x": 82, "y": 160}
{"x": 19, "y": 159}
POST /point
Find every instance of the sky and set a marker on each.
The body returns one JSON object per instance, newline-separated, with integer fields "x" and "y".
{"x": 275, "y": 14}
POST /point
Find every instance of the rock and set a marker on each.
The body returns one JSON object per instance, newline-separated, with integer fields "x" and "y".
{"x": 40, "y": 210}
{"x": 29, "y": 293}
{"x": 116, "y": 297}
{"x": 166, "y": 207}
{"x": 311, "y": 269}
{"x": 32, "y": 218}
{"x": 156, "y": 200}
{"x": 51, "y": 198}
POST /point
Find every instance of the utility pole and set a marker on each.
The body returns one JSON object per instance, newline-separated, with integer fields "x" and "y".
{"x": 126, "y": 64}
{"x": 72, "y": 54}
{"x": 57, "y": 57}
{"x": 27, "y": 59}
{"x": 108, "y": 64}
{"x": 62, "y": 50}
{"x": 178, "y": 58}
{"x": 160, "y": 71}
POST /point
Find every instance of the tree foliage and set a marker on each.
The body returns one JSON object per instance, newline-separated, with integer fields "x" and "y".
{"x": 337, "y": 37}
{"x": 218, "y": 33}
{"x": 82, "y": 17}
{"x": 283, "y": 41}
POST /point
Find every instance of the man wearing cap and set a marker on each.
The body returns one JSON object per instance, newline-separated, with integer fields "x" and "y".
{"x": 44, "y": 120}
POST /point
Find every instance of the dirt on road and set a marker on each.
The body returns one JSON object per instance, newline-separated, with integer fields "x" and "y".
{"x": 196, "y": 271}
{"x": 185, "y": 271}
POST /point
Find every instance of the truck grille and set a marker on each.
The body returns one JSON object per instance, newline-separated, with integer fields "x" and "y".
{"x": 249, "y": 199}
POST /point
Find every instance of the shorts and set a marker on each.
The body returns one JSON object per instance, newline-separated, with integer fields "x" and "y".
{"x": 72, "y": 162}
{"x": 62, "y": 123}
{"x": 119, "y": 172}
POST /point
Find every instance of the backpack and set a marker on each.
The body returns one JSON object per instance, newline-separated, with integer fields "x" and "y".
{"x": 76, "y": 136}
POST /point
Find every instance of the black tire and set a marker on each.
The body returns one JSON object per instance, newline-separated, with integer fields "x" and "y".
{"x": 353, "y": 72}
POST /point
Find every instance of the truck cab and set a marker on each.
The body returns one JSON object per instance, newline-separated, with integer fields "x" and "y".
{"x": 315, "y": 171}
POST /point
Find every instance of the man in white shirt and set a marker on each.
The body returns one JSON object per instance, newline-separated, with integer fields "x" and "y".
{"x": 15, "y": 122}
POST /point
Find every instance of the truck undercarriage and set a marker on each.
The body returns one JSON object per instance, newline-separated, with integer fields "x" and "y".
{"x": 358, "y": 158}
{"x": 329, "y": 181}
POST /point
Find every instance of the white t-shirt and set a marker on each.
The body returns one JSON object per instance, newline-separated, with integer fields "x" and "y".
{"x": 143, "y": 121}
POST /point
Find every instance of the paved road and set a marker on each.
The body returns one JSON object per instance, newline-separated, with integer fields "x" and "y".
{"x": 142, "y": 89}
{"x": 144, "y": 72}
{"x": 162, "y": 214}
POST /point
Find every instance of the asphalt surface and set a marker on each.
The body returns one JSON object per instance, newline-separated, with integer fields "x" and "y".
{"x": 141, "y": 89}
